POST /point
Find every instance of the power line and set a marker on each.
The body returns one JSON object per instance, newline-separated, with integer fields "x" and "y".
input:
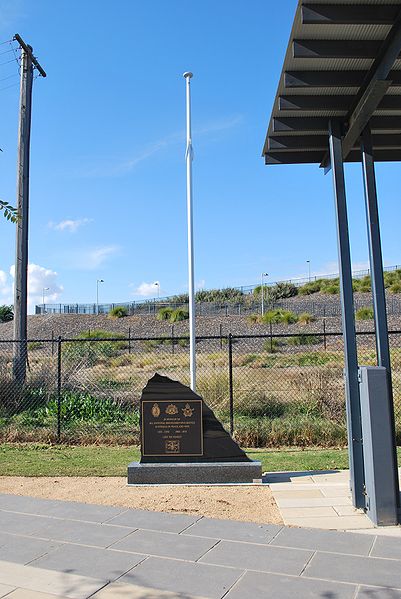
{"x": 9, "y": 86}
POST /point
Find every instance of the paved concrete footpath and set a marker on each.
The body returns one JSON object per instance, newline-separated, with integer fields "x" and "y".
{"x": 64, "y": 549}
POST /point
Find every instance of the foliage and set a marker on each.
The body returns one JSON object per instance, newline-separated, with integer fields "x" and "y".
{"x": 9, "y": 212}
{"x": 171, "y": 315}
{"x": 365, "y": 313}
{"x": 362, "y": 285}
{"x": 306, "y": 318}
{"x": 118, "y": 312}
{"x": 84, "y": 407}
{"x": 279, "y": 316}
{"x": 395, "y": 288}
{"x": 164, "y": 313}
{"x": 87, "y": 353}
{"x": 304, "y": 340}
{"x": 282, "y": 291}
{"x": 179, "y": 314}
{"x": 229, "y": 294}
{"x": 6, "y": 313}
{"x": 309, "y": 288}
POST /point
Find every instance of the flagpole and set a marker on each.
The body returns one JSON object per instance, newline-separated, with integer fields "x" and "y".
{"x": 191, "y": 284}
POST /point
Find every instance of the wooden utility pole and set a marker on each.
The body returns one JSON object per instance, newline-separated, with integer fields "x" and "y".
{"x": 28, "y": 62}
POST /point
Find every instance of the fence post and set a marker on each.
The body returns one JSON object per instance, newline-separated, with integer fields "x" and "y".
{"x": 226, "y": 309}
{"x": 58, "y": 389}
{"x": 324, "y": 334}
{"x": 230, "y": 381}
{"x": 52, "y": 343}
{"x": 172, "y": 339}
{"x": 221, "y": 335}
{"x": 129, "y": 340}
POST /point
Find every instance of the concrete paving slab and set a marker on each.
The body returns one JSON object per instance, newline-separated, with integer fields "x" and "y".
{"x": 373, "y": 593}
{"x": 5, "y": 590}
{"x": 165, "y": 544}
{"x": 23, "y": 550}
{"x": 307, "y": 512}
{"x": 118, "y": 590}
{"x": 381, "y": 531}
{"x": 257, "y": 585}
{"x": 333, "y": 491}
{"x": 20, "y": 523}
{"x": 298, "y": 494}
{"x": 314, "y": 502}
{"x": 348, "y": 510}
{"x": 47, "y": 581}
{"x": 333, "y": 523}
{"x": 58, "y": 509}
{"x": 324, "y": 540}
{"x": 233, "y": 531}
{"x": 89, "y": 561}
{"x": 264, "y": 558}
{"x": 86, "y": 533}
{"x": 183, "y": 577}
{"x": 387, "y": 547}
{"x": 27, "y": 594}
{"x": 359, "y": 570}
{"x": 148, "y": 520}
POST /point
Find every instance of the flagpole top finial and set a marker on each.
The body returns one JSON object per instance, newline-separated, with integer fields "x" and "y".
{"x": 188, "y": 75}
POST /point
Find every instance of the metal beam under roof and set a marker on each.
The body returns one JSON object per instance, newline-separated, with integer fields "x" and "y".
{"x": 343, "y": 61}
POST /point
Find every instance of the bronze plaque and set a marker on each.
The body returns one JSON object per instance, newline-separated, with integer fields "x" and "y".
{"x": 172, "y": 427}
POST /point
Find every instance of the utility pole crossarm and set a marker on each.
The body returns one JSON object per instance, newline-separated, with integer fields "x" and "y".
{"x": 28, "y": 50}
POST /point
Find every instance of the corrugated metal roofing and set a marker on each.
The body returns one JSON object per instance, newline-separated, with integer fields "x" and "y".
{"x": 347, "y": 49}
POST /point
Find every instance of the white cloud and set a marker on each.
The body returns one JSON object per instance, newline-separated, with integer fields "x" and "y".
{"x": 39, "y": 278}
{"x": 70, "y": 224}
{"x": 146, "y": 289}
{"x": 97, "y": 256}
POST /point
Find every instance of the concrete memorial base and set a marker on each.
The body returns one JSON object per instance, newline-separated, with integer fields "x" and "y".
{"x": 193, "y": 473}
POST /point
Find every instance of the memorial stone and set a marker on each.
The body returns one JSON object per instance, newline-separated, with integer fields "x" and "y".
{"x": 182, "y": 441}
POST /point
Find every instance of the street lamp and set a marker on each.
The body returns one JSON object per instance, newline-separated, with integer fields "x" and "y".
{"x": 97, "y": 294}
{"x": 43, "y": 297}
{"x": 308, "y": 263}
{"x": 262, "y": 289}
{"x": 157, "y": 284}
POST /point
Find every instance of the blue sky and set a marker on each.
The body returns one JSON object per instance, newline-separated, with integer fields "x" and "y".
{"x": 108, "y": 152}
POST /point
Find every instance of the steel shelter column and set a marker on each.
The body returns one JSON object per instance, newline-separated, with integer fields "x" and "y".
{"x": 355, "y": 447}
{"x": 376, "y": 269}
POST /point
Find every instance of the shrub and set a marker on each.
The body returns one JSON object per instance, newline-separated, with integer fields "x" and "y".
{"x": 6, "y": 313}
{"x": 362, "y": 285}
{"x": 279, "y": 316}
{"x": 164, "y": 313}
{"x": 253, "y": 318}
{"x": 229, "y": 294}
{"x": 306, "y": 318}
{"x": 89, "y": 352}
{"x": 309, "y": 288}
{"x": 395, "y": 288}
{"x": 118, "y": 312}
{"x": 272, "y": 346}
{"x": 364, "y": 313}
{"x": 179, "y": 314}
{"x": 84, "y": 407}
{"x": 331, "y": 289}
{"x": 282, "y": 291}
{"x": 304, "y": 340}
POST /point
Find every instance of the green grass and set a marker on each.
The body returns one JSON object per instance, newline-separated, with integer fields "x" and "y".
{"x": 60, "y": 460}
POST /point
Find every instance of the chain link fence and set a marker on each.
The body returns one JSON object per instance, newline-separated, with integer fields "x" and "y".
{"x": 268, "y": 390}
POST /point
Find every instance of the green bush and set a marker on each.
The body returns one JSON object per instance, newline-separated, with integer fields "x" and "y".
{"x": 304, "y": 340}
{"x": 309, "y": 288}
{"x": 279, "y": 316}
{"x": 179, "y": 314}
{"x": 364, "y": 313}
{"x": 6, "y": 313}
{"x": 331, "y": 289}
{"x": 306, "y": 318}
{"x": 281, "y": 291}
{"x": 164, "y": 313}
{"x": 118, "y": 312}
{"x": 395, "y": 288}
{"x": 84, "y": 407}
{"x": 229, "y": 294}
{"x": 88, "y": 352}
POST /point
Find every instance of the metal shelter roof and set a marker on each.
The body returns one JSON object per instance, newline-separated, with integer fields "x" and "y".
{"x": 343, "y": 62}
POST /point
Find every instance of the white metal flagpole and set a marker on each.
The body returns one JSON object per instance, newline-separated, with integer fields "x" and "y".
{"x": 191, "y": 283}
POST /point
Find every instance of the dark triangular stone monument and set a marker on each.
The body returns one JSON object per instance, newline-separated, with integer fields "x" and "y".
{"x": 182, "y": 441}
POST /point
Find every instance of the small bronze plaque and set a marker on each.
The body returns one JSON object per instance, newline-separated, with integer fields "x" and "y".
{"x": 172, "y": 427}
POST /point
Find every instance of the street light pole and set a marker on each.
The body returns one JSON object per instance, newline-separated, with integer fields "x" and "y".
{"x": 191, "y": 283}
{"x": 157, "y": 284}
{"x": 97, "y": 294}
{"x": 308, "y": 263}
{"x": 264, "y": 274}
